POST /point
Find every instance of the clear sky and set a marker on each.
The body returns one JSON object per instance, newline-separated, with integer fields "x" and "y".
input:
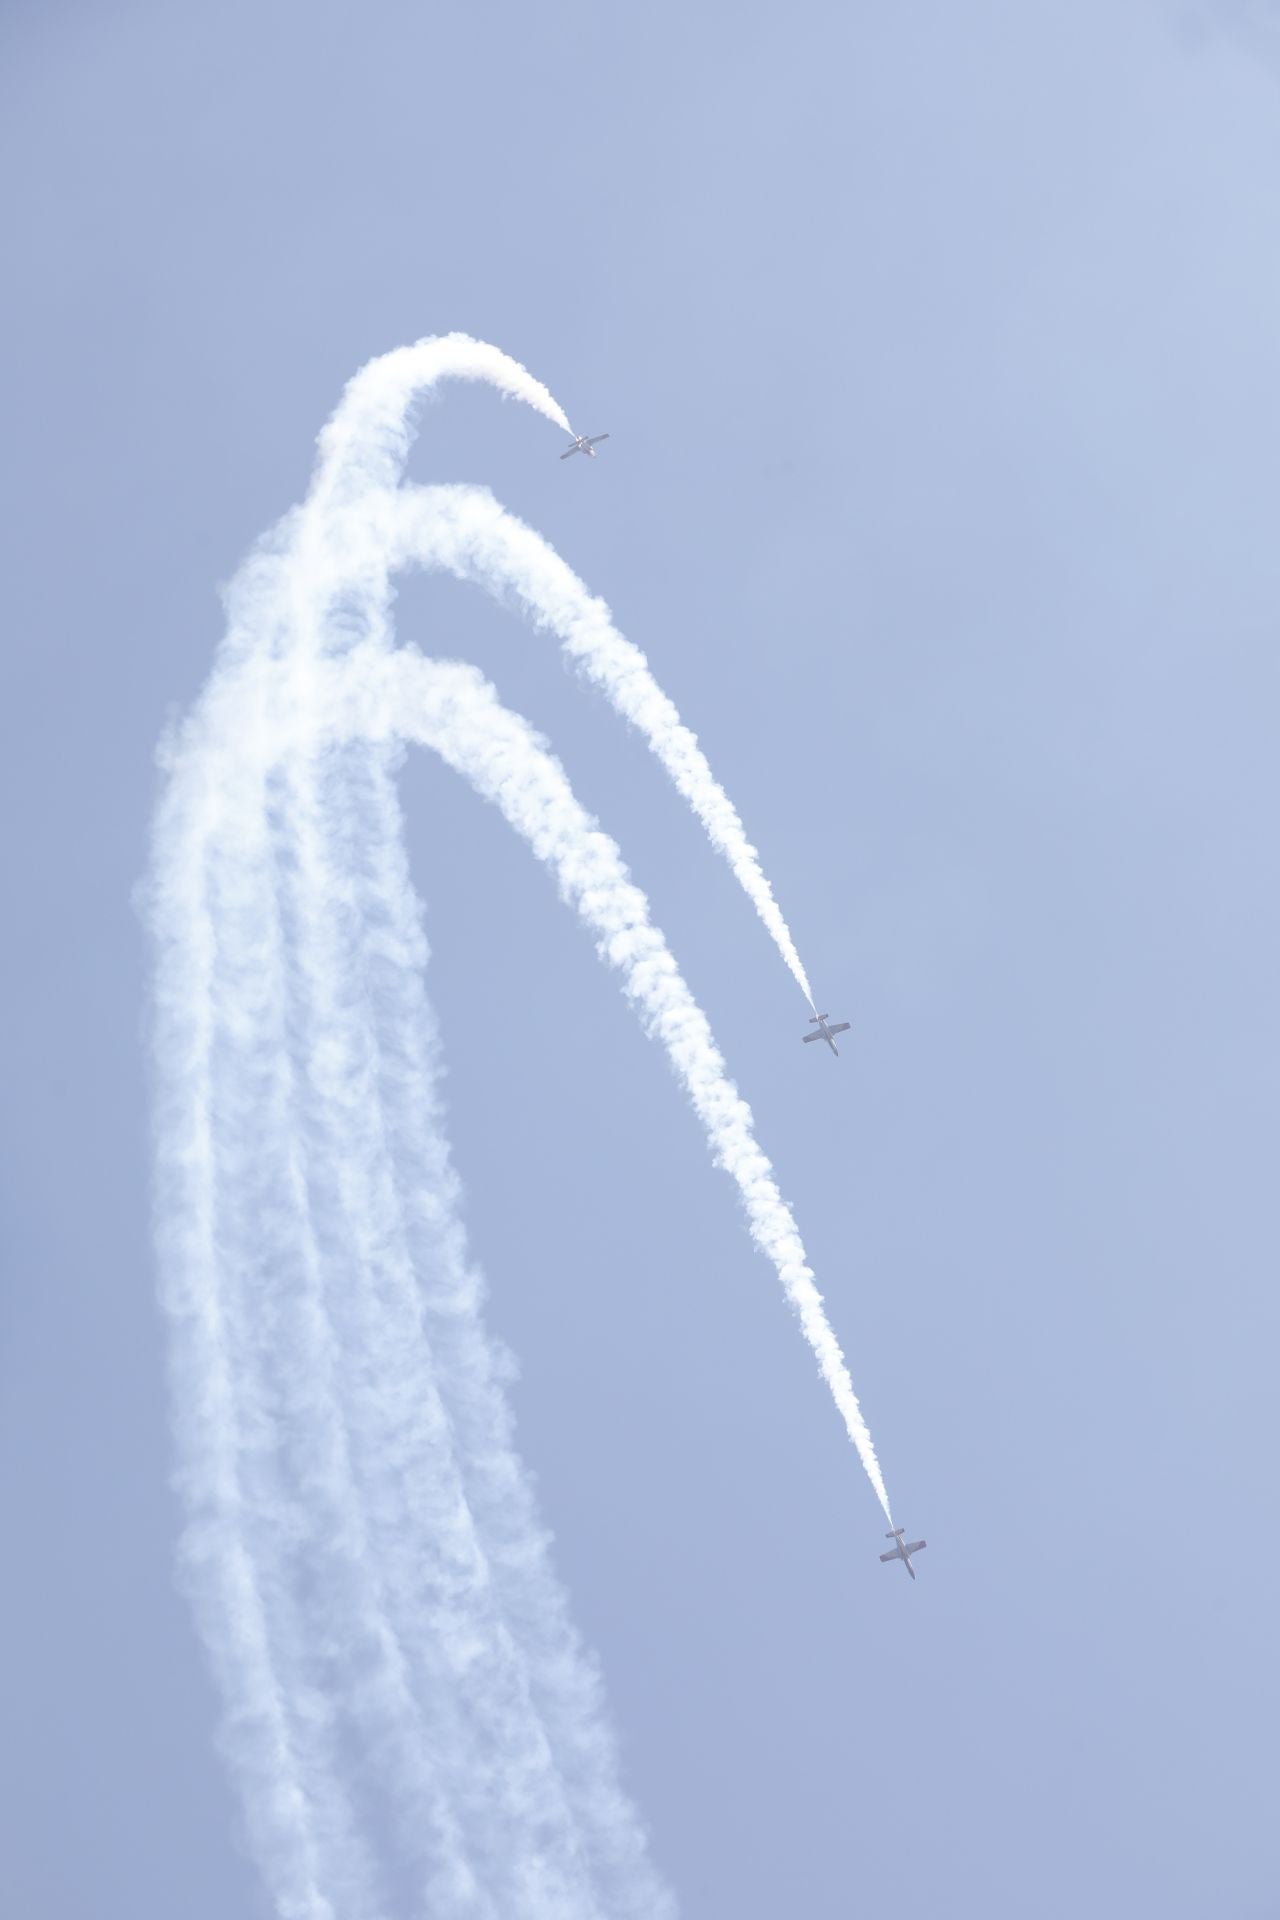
{"x": 938, "y": 347}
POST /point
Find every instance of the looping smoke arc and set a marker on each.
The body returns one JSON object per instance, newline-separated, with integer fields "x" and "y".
{"x": 409, "y": 1714}
{"x": 465, "y": 531}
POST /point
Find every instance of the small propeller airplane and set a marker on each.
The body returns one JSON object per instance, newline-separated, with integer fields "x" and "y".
{"x": 825, "y": 1031}
{"x": 903, "y": 1551}
{"x": 583, "y": 444}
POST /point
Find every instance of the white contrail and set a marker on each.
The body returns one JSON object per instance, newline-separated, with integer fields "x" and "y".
{"x": 362, "y": 1549}
{"x": 463, "y": 1584}
{"x": 452, "y": 708}
{"x": 213, "y": 942}
{"x": 365, "y": 443}
{"x": 357, "y": 518}
{"x": 466, "y": 532}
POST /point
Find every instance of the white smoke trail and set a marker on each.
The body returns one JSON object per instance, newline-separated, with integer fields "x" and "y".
{"x": 453, "y": 709}
{"x": 533, "y": 1769}
{"x": 365, "y": 444}
{"x": 357, "y": 519}
{"x": 214, "y": 945}
{"x": 529, "y": 1797}
{"x": 362, "y": 1549}
{"x": 403, "y": 1689}
{"x": 466, "y": 532}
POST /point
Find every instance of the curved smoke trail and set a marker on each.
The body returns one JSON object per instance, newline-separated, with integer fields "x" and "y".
{"x": 452, "y": 709}
{"x": 357, "y": 512}
{"x": 464, "y": 531}
{"x": 365, "y": 444}
{"x": 410, "y": 1716}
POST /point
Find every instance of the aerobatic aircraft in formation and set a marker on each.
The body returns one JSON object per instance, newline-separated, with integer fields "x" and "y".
{"x": 583, "y": 444}
{"x": 825, "y": 1031}
{"x": 903, "y": 1551}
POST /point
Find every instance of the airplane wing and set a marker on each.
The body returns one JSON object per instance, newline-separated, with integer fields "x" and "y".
{"x": 839, "y": 1026}
{"x": 895, "y": 1555}
{"x": 570, "y": 454}
{"x": 807, "y": 1037}
{"x": 914, "y": 1546}
{"x": 596, "y": 439}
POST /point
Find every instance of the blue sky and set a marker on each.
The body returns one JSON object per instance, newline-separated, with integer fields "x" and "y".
{"x": 937, "y": 348}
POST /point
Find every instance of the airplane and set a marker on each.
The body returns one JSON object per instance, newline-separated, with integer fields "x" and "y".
{"x": 825, "y": 1032}
{"x": 902, "y": 1551}
{"x": 582, "y": 444}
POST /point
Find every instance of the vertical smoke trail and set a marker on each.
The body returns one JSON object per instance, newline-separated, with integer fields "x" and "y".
{"x": 214, "y": 946}
{"x": 363, "y": 1552}
{"x": 463, "y": 1576}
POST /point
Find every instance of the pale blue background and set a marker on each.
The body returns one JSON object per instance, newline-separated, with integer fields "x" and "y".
{"x": 938, "y": 344}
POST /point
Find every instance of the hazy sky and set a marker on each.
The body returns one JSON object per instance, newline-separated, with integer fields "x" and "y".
{"x": 938, "y": 348}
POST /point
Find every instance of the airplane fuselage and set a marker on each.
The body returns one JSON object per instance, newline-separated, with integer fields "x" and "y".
{"x": 901, "y": 1551}
{"x": 826, "y": 1032}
